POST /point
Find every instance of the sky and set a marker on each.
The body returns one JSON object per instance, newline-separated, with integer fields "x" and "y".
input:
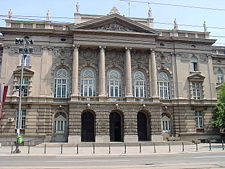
{"x": 161, "y": 13}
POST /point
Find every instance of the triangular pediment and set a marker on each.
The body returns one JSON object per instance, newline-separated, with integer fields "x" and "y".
{"x": 196, "y": 77}
{"x": 26, "y": 72}
{"x": 115, "y": 22}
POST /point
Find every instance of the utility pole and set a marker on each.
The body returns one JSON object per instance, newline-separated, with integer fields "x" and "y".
{"x": 24, "y": 51}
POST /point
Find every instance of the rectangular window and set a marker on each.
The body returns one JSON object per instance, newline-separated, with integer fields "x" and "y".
{"x": 21, "y": 123}
{"x": 196, "y": 90}
{"x": 24, "y": 88}
{"x": 199, "y": 119}
{"x": 166, "y": 126}
{"x": 25, "y": 60}
{"x": 164, "y": 90}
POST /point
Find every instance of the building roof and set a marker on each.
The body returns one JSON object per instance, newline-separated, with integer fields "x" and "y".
{"x": 93, "y": 22}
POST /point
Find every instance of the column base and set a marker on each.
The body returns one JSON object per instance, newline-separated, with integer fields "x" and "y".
{"x": 74, "y": 98}
{"x": 102, "y": 139}
{"x": 129, "y": 98}
{"x": 130, "y": 138}
{"x": 157, "y": 138}
{"x": 102, "y": 98}
{"x": 155, "y": 99}
{"x": 74, "y": 139}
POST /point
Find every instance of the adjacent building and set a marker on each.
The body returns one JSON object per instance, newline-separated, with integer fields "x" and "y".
{"x": 110, "y": 78}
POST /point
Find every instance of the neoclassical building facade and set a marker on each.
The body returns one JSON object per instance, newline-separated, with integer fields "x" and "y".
{"x": 109, "y": 78}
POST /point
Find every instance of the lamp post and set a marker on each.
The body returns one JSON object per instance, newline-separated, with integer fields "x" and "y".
{"x": 24, "y": 51}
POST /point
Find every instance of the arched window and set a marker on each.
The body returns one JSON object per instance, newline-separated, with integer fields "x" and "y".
{"x": 163, "y": 85}
{"x": 166, "y": 123}
{"x": 139, "y": 84}
{"x": 114, "y": 83}
{"x": 60, "y": 122}
{"x": 219, "y": 76}
{"x": 61, "y": 83}
{"x": 88, "y": 82}
{"x": 194, "y": 64}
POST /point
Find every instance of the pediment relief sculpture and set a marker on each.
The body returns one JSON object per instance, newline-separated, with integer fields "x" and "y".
{"x": 114, "y": 27}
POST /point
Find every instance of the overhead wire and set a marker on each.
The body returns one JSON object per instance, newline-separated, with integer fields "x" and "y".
{"x": 175, "y": 5}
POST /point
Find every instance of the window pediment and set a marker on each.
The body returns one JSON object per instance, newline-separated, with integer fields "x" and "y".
{"x": 196, "y": 77}
{"x": 26, "y": 72}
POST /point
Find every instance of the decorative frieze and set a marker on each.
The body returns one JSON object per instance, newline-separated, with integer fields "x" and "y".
{"x": 88, "y": 57}
{"x": 114, "y": 27}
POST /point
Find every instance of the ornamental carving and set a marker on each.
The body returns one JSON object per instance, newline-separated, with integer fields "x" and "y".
{"x": 37, "y": 50}
{"x": 115, "y": 58}
{"x": 164, "y": 60}
{"x": 62, "y": 56}
{"x": 184, "y": 57}
{"x": 203, "y": 58}
{"x": 88, "y": 57}
{"x": 140, "y": 59}
{"x": 62, "y": 52}
{"x": 114, "y": 27}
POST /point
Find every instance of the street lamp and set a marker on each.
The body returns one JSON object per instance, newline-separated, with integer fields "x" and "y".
{"x": 24, "y": 51}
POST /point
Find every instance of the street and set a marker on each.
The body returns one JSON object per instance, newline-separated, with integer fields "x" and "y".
{"x": 174, "y": 160}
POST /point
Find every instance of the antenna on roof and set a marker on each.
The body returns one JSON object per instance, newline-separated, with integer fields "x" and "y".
{"x": 128, "y": 8}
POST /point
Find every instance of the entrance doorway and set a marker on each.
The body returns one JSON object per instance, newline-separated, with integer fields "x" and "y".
{"x": 88, "y": 127}
{"x": 60, "y": 127}
{"x": 116, "y": 123}
{"x": 142, "y": 125}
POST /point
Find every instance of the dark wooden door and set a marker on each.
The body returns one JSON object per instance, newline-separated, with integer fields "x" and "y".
{"x": 88, "y": 127}
{"x": 142, "y": 125}
{"x": 115, "y": 127}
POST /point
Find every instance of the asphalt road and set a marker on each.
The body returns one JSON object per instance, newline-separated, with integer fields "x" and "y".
{"x": 196, "y": 160}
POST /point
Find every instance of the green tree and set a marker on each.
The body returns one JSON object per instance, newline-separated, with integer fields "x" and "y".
{"x": 219, "y": 120}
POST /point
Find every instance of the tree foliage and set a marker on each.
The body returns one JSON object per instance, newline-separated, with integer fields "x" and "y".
{"x": 219, "y": 120}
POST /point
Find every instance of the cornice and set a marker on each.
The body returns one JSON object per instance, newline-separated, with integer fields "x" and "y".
{"x": 181, "y": 39}
{"x": 5, "y": 30}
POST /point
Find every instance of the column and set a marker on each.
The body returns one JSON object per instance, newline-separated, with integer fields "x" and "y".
{"x": 153, "y": 74}
{"x": 102, "y": 72}
{"x": 75, "y": 90}
{"x": 128, "y": 80}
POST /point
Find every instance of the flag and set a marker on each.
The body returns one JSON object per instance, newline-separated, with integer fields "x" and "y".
{"x": 3, "y": 94}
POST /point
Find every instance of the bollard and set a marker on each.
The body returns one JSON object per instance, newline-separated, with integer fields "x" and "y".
{"x": 61, "y": 149}
{"x": 11, "y": 148}
{"x": 210, "y": 146}
{"x": 182, "y": 147}
{"x": 109, "y": 149}
{"x": 77, "y": 149}
{"x": 28, "y": 151}
{"x": 140, "y": 148}
{"x": 125, "y": 148}
{"x": 169, "y": 148}
{"x": 154, "y": 147}
{"x": 222, "y": 145}
{"x": 196, "y": 146}
{"x": 45, "y": 149}
{"x": 93, "y": 148}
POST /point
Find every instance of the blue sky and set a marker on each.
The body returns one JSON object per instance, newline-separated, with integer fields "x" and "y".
{"x": 161, "y": 13}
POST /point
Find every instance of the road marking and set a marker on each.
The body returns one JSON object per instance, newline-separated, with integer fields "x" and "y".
{"x": 209, "y": 157}
{"x": 85, "y": 161}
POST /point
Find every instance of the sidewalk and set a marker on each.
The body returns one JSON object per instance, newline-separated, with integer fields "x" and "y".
{"x": 112, "y": 149}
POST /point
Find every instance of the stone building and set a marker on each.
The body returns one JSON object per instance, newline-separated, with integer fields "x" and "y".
{"x": 109, "y": 78}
